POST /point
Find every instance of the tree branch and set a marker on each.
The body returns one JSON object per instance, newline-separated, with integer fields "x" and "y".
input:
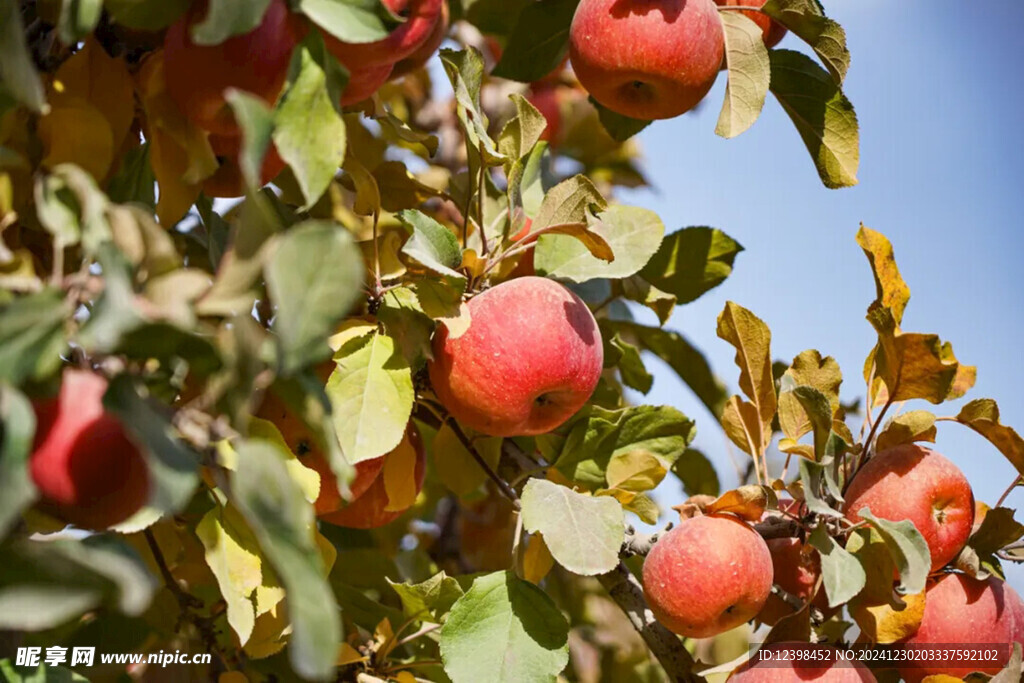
{"x": 666, "y": 646}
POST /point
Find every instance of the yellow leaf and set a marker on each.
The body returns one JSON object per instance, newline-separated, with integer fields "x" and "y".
{"x": 101, "y": 80}
{"x": 636, "y": 470}
{"x": 455, "y": 467}
{"x": 328, "y": 553}
{"x": 941, "y": 678}
{"x": 752, "y": 341}
{"x": 743, "y": 426}
{"x": 76, "y": 132}
{"x": 270, "y": 634}
{"x": 232, "y": 677}
{"x": 892, "y": 291}
{"x": 404, "y": 677}
{"x": 982, "y": 415}
{"x": 349, "y": 655}
{"x": 748, "y": 502}
{"x": 885, "y": 624}
{"x": 537, "y": 560}
{"x": 232, "y": 554}
{"x": 917, "y": 425}
{"x": 808, "y": 369}
{"x": 307, "y": 478}
{"x": 644, "y": 507}
{"x": 787, "y": 445}
{"x": 472, "y": 262}
{"x": 400, "y": 477}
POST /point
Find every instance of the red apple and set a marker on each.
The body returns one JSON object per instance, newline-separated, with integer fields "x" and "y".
{"x": 227, "y": 180}
{"x": 648, "y": 59}
{"x": 959, "y": 612}
{"x": 796, "y": 568}
{"x": 256, "y": 62}
{"x": 916, "y": 483}
{"x": 707, "y": 575}
{"x": 425, "y": 51}
{"x": 544, "y": 96}
{"x": 825, "y": 669}
{"x": 369, "y": 510}
{"x": 531, "y": 358}
{"x": 771, "y": 31}
{"x": 421, "y": 16}
{"x": 86, "y": 468}
{"x": 362, "y": 83}
{"x": 301, "y": 442}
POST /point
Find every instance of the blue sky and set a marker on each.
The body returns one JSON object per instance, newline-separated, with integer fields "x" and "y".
{"x": 940, "y": 142}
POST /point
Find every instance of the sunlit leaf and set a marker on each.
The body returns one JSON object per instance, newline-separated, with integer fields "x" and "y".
{"x": 691, "y": 262}
{"x": 806, "y": 20}
{"x": 982, "y": 415}
{"x": 842, "y": 574}
{"x": 746, "y": 58}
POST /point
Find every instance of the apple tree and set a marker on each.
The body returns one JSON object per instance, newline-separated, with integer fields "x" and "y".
{"x": 316, "y": 318}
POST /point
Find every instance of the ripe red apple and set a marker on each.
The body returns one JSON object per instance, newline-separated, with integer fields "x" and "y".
{"x": 362, "y": 83}
{"x": 227, "y": 180}
{"x": 425, "y": 51}
{"x": 649, "y": 59}
{"x": 531, "y": 358}
{"x": 369, "y": 510}
{"x": 964, "y": 611}
{"x": 544, "y": 96}
{"x": 256, "y": 62}
{"x": 771, "y": 31}
{"x": 919, "y": 484}
{"x": 301, "y": 442}
{"x": 825, "y": 669}
{"x": 796, "y": 569}
{"x": 86, "y": 468}
{"x": 421, "y": 16}
{"x": 707, "y": 575}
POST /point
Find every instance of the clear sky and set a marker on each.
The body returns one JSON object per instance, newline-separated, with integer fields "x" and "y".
{"x": 941, "y": 143}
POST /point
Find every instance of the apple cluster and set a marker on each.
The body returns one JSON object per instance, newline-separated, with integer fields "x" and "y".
{"x": 199, "y": 76}
{"x": 654, "y": 59}
{"x": 714, "y": 572}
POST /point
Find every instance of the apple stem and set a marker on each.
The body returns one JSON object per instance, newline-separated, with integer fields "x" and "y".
{"x": 666, "y": 646}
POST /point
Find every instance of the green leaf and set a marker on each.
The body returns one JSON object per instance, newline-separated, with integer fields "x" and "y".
{"x": 353, "y": 21}
{"x": 539, "y": 41}
{"x": 808, "y": 369}
{"x": 456, "y": 467}
{"x": 523, "y": 130}
{"x": 283, "y": 522}
{"x": 19, "y": 425}
{"x": 232, "y": 553}
{"x": 908, "y": 548}
{"x": 636, "y": 288}
{"x": 982, "y": 415}
{"x": 134, "y": 180}
{"x": 371, "y": 395}
{"x": 44, "y": 674}
{"x": 405, "y": 321}
{"x": 812, "y": 477}
{"x": 660, "y": 430}
{"x": 583, "y": 533}
{"x": 432, "y": 244}
{"x": 821, "y": 113}
{"x": 697, "y": 474}
{"x": 314, "y": 276}
{"x": 749, "y": 74}
{"x": 841, "y": 572}
{"x": 494, "y": 17}
{"x": 77, "y": 19}
{"x": 429, "y": 600}
{"x": 226, "y": 18}
{"x": 465, "y": 70}
{"x": 173, "y": 467}
{"x": 689, "y": 363}
{"x": 147, "y": 15}
{"x": 630, "y": 365}
{"x": 504, "y": 630}
{"x": 17, "y": 71}
{"x": 917, "y": 425}
{"x": 819, "y": 412}
{"x": 691, "y": 262}
{"x": 634, "y": 235}
{"x": 32, "y": 335}
{"x": 998, "y": 530}
{"x": 257, "y": 123}
{"x": 806, "y": 20}
{"x": 115, "y": 313}
{"x": 619, "y": 126}
{"x": 570, "y": 201}
{"x": 308, "y": 131}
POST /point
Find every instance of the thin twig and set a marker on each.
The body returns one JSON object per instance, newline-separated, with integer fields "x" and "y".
{"x": 378, "y": 285}
{"x": 1014, "y": 484}
{"x": 502, "y": 485}
{"x": 480, "y": 202}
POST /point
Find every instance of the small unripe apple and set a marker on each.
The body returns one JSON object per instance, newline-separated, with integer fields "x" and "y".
{"x": 707, "y": 575}
{"x": 531, "y": 358}
{"x": 825, "y": 667}
{"x": 421, "y": 17}
{"x": 370, "y": 510}
{"x": 916, "y": 483}
{"x": 771, "y": 31}
{"x": 963, "y": 611}
{"x": 227, "y": 180}
{"x": 86, "y": 468}
{"x": 425, "y": 51}
{"x": 648, "y": 59}
{"x": 256, "y": 62}
{"x": 362, "y": 83}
